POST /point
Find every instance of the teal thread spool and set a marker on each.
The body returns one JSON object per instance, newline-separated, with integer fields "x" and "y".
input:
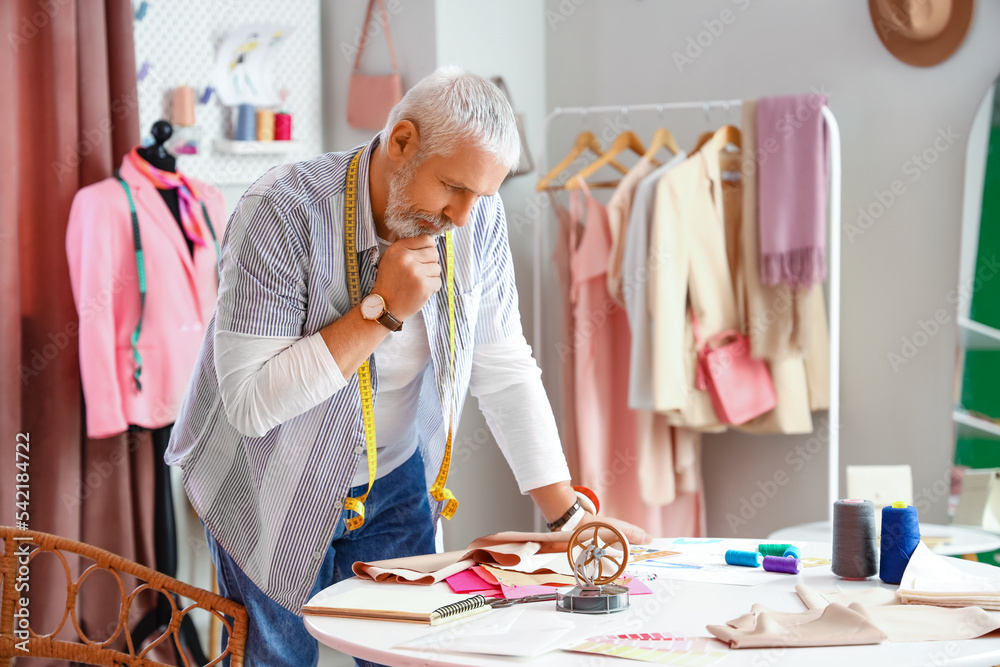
{"x": 792, "y": 552}
{"x": 772, "y": 549}
{"x": 744, "y": 558}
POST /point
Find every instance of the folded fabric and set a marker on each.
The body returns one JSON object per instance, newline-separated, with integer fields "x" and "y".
{"x": 836, "y": 625}
{"x": 503, "y": 549}
{"x": 934, "y": 580}
{"x": 905, "y": 623}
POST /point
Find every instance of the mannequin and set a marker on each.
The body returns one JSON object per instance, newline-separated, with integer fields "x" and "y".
{"x": 156, "y": 154}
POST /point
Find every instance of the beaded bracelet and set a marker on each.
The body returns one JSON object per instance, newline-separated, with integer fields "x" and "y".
{"x": 561, "y": 521}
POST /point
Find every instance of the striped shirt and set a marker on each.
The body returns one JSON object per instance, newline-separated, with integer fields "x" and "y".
{"x": 273, "y": 501}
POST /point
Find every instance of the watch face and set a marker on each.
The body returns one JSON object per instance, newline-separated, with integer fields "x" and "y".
{"x": 372, "y": 307}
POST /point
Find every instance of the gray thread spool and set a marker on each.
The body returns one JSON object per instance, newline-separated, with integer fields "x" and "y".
{"x": 854, "y": 552}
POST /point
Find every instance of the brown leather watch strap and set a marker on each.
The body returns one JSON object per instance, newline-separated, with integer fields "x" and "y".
{"x": 389, "y": 322}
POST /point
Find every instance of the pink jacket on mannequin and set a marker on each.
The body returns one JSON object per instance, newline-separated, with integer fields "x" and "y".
{"x": 180, "y": 300}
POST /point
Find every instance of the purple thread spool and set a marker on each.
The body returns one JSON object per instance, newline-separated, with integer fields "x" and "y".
{"x": 782, "y": 564}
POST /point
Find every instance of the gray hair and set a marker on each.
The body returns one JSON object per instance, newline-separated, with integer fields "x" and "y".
{"x": 452, "y": 105}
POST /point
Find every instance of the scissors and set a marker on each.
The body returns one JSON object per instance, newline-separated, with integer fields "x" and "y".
{"x": 501, "y": 603}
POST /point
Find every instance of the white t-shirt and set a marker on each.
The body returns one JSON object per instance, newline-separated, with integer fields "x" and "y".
{"x": 401, "y": 360}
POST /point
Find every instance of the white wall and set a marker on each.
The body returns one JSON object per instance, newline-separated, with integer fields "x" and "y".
{"x": 428, "y": 34}
{"x": 897, "y": 273}
{"x": 413, "y": 33}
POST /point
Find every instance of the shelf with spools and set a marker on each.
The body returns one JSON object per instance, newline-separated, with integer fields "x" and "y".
{"x": 259, "y": 132}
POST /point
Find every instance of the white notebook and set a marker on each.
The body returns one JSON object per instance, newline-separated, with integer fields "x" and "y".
{"x": 394, "y": 602}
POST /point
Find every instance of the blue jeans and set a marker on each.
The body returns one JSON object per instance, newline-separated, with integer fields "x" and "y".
{"x": 397, "y": 523}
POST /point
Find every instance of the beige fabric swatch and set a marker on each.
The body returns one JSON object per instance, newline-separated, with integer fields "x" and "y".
{"x": 504, "y": 549}
{"x": 904, "y": 622}
{"x": 836, "y": 625}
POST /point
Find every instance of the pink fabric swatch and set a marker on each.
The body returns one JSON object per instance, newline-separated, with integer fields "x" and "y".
{"x": 468, "y": 581}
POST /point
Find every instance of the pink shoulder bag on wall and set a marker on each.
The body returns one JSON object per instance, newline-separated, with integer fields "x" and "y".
{"x": 370, "y": 98}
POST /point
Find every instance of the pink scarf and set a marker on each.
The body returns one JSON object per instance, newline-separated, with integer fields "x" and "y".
{"x": 791, "y": 140}
{"x": 187, "y": 194}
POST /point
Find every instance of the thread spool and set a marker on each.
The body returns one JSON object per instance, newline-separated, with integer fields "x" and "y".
{"x": 792, "y": 552}
{"x": 182, "y": 110}
{"x": 744, "y": 558}
{"x": 854, "y": 552}
{"x": 782, "y": 564}
{"x": 282, "y": 126}
{"x": 265, "y": 125}
{"x": 246, "y": 123}
{"x": 900, "y": 536}
{"x": 772, "y": 549}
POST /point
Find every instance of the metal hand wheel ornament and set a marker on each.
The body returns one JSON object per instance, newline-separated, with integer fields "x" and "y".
{"x": 591, "y": 558}
{"x": 589, "y": 564}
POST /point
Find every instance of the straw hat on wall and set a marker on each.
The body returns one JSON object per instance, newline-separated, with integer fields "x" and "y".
{"x": 922, "y": 33}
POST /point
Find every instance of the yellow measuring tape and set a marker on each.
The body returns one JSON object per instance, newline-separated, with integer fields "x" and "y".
{"x": 438, "y": 490}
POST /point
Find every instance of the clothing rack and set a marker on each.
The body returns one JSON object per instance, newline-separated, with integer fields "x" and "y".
{"x": 833, "y": 256}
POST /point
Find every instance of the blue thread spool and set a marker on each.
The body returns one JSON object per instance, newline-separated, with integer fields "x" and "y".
{"x": 744, "y": 558}
{"x": 900, "y": 536}
{"x": 246, "y": 123}
{"x": 782, "y": 564}
{"x": 792, "y": 552}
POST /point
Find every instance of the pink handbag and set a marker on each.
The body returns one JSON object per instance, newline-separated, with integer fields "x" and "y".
{"x": 371, "y": 98}
{"x": 739, "y": 385}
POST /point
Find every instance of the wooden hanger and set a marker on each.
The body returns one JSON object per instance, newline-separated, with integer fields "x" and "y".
{"x": 663, "y": 138}
{"x": 721, "y": 138}
{"x": 584, "y": 141}
{"x": 627, "y": 140}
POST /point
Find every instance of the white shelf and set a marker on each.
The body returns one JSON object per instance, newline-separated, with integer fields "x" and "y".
{"x": 230, "y": 147}
{"x": 976, "y": 336}
{"x": 969, "y": 426}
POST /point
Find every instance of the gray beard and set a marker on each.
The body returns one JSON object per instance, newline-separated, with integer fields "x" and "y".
{"x": 400, "y": 219}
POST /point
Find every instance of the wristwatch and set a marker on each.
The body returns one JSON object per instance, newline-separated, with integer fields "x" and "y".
{"x": 373, "y": 308}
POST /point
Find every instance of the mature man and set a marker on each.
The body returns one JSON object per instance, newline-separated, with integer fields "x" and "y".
{"x": 274, "y": 438}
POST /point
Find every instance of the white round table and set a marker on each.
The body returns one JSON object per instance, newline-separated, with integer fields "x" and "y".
{"x": 680, "y": 608}
{"x": 945, "y": 540}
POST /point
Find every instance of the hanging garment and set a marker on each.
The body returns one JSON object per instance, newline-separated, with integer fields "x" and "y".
{"x": 669, "y": 456}
{"x": 180, "y": 300}
{"x": 606, "y": 427}
{"x": 776, "y": 315}
{"x": 566, "y": 238}
{"x": 793, "y": 182}
{"x": 619, "y": 209}
{"x": 688, "y": 232}
{"x": 789, "y": 322}
{"x": 792, "y": 413}
{"x": 637, "y": 262}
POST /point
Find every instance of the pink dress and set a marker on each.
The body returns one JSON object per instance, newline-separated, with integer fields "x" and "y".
{"x": 606, "y": 428}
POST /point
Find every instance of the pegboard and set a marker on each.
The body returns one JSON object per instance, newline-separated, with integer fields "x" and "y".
{"x": 175, "y": 44}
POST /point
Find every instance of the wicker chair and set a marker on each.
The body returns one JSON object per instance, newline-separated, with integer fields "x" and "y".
{"x": 232, "y": 614}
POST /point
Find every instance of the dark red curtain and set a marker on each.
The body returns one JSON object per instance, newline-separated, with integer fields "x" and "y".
{"x": 68, "y": 113}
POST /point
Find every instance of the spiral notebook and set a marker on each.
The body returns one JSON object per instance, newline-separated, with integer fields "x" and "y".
{"x": 407, "y": 604}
